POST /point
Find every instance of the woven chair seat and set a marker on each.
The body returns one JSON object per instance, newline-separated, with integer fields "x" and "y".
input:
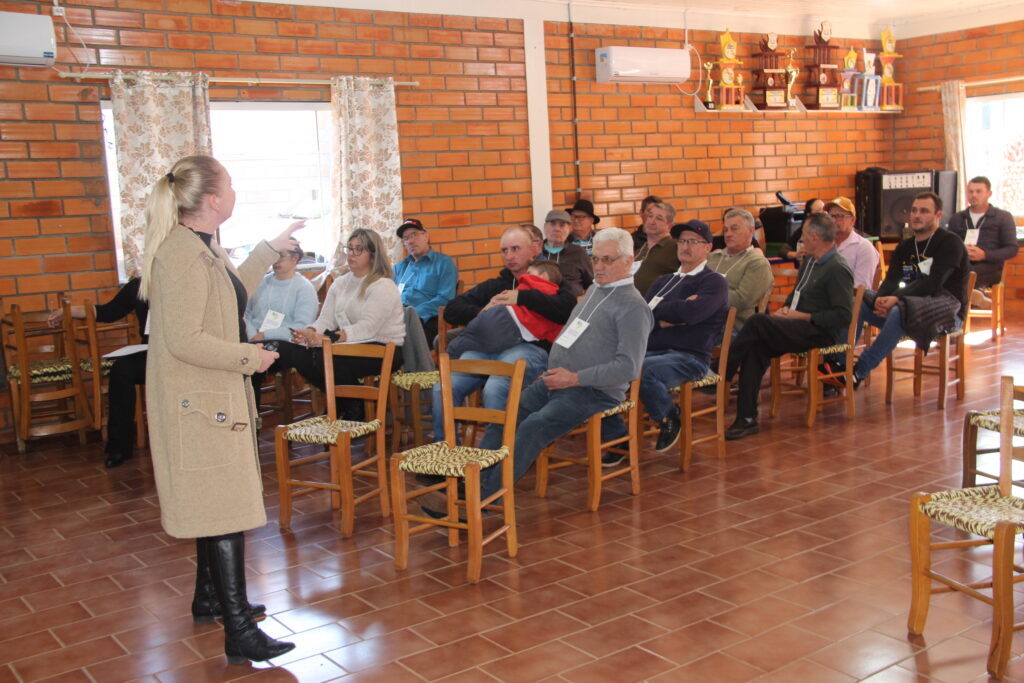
{"x": 826, "y": 350}
{"x": 989, "y": 419}
{"x": 43, "y": 371}
{"x": 105, "y": 365}
{"x": 621, "y": 408}
{"x": 708, "y": 380}
{"x": 408, "y": 380}
{"x": 323, "y": 431}
{"x": 975, "y": 510}
{"x": 442, "y": 460}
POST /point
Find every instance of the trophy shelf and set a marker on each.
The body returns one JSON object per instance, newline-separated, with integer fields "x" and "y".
{"x": 797, "y": 107}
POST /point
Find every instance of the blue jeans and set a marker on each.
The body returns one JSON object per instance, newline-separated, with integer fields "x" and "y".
{"x": 890, "y": 331}
{"x": 664, "y": 369}
{"x": 495, "y": 388}
{"x": 543, "y": 417}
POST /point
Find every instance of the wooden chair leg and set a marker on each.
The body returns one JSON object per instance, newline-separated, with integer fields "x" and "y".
{"x": 943, "y": 370}
{"x": 920, "y": 564}
{"x": 508, "y": 505}
{"x": 961, "y": 367}
{"x": 970, "y": 453}
{"x": 890, "y": 377}
{"x": 416, "y": 415}
{"x": 594, "y": 463}
{"x": 541, "y": 484}
{"x": 382, "y": 473}
{"x": 633, "y": 424}
{"x": 851, "y": 403}
{"x": 814, "y": 387}
{"x": 452, "y": 491}
{"x": 396, "y": 418}
{"x": 721, "y": 402}
{"x": 342, "y": 453}
{"x": 776, "y": 385}
{"x": 401, "y": 511}
{"x": 140, "y": 417}
{"x": 284, "y": 488}
{"x": 1002, "y": 599}
{"x": 686, "y": 426}
{"x": 918, "y": 371}
{"x": 474, "y": 523}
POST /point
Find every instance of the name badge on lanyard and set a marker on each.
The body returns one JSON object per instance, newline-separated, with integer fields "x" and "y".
{"x": 572, "y": 332}
{"x": 925, "y": 266}
{"x": 272, "y": 320}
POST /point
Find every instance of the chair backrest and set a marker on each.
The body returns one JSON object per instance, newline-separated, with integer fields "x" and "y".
{"x": 851, "y": 331}
{"x": 507, "y": 418}
{"x": 723, "y": 349}
{"x": 27, "y": 336}
{"x": 885, "y": 250}
{"x": 376, "y": 395}
{"x": 444, "y": 330}
{"x": 762, "y": 305}
{"x": 783, "y": 293}
{"x": 972, "y": 279}
{"x": 1008, "y": 393}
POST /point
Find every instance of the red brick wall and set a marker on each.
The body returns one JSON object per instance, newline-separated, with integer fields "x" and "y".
{"x": 640, "y": 139}
{"x": 971, "y": 54}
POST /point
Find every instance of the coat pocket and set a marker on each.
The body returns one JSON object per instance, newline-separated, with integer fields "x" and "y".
{"x": 210, "y": 433}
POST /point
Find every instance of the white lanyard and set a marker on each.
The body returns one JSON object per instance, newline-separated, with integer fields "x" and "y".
{"x": 673, "y": 282}
{"x": 587, "y": 298}
{"x": 738, "y": 257}
{"x": 644, "y": 251}
{"x": 925, "y": 250}
{"x": 802, "y": 282}
{"x": 977, "y": 226}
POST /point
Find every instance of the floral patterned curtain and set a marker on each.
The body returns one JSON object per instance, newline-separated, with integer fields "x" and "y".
{"x": 158, "y": 119}
{"x": 954, "y": 118}
{"x": 366, "y": 176}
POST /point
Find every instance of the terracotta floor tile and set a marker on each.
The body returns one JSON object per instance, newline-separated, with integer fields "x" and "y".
{"x": 605, "y": 606}
{"x": 672, "y": 583}
{"x": 454, "y": 657}
{"x": 374, "y": 652}
{"x": 693, "y": 642}
{"x": 613, "y": 635}
{"x": 533, "y": 631}
{"x": 717, "y": 667}
{"x": 537, "y": 664}
{"x": 805, "y": 670}
{"x": 760, "y": 615}
{"x": 67, "y": 659}
{"x": 460, "y": 625}
{"x": 842, "y": 619}
{"x": 42, "y": 620}
{"x": 743, "y": 588}
{"x": 864, "y": 654}
{"x": 26, "y": 646}
{"x": 774, "y": 649}
{"x": 684, "y": 610}
{"x": 144, "y": 663}
{"x": 632, "y": 664}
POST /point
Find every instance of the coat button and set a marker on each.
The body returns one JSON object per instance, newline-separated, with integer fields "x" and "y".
{"x": 220, "y": 417}
{"x": 245, "y": 361}
{"x": 186, "y": 403}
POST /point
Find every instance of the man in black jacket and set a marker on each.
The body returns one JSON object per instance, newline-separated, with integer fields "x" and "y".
{"x": 516, "y": 251}
{"x": 927, "y": 279}
{"x": 990, "y": 235}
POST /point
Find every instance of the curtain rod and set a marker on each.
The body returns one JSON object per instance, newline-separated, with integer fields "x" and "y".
{"x": 78, "y": 76}
{"x": 972, "y": 84}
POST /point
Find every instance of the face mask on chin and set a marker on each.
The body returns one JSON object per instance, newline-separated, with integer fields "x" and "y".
{"x": 554, "y": 250}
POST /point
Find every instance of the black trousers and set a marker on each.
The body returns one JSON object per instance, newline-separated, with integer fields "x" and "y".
{"x": 127, "y": 373}
{"x": 988, "y": 274}
{"x": 429, "y": 329}
{"x": 347, "y": 370}
{"x": 761, "y": 339}
{"x": 288, "y": 355}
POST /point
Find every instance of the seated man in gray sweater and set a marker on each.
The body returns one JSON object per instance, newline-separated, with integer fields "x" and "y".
{"x": 599, "y": 352}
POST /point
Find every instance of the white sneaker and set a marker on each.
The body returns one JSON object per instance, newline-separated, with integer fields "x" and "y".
{"x": 980, "y": 300}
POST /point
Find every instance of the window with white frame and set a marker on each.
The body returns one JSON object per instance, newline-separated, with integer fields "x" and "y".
{"x": 994, "y": 138}
{"x": 278, "y": 155}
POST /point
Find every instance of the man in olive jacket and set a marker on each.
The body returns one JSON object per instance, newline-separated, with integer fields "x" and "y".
{"x": 817, "y": 311}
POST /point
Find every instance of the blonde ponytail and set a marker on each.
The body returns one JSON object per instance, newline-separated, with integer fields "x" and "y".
{"x": 173, "y": 196}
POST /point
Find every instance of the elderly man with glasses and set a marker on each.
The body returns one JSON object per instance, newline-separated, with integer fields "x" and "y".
{"x": 426, "y": 278}
{"x": 860, "y": 255}
{"x": 657, "y": 256}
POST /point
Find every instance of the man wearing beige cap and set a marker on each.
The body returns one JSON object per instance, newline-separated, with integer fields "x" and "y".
{"x": 573, "y": 261}
{"x": 860, "y": 254}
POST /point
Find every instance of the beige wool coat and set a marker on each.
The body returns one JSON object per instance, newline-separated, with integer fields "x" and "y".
{"x": 199, "y": 403}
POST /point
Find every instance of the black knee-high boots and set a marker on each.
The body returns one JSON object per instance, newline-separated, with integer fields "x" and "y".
{"x": 205, "y": 603}
{"x": 242, "y": 639}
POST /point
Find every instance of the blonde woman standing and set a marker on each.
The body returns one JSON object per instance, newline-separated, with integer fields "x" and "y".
{"x": 363, "y": 306}
{"x": 199, "y": 396}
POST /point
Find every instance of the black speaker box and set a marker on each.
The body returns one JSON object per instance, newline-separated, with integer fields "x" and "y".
{"x": 946, "y": 188}
{"x": 884, "y": 199}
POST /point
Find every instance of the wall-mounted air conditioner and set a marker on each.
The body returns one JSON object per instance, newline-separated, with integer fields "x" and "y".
{"x": 27, "y": 39}
{"x": 642, "y": 65}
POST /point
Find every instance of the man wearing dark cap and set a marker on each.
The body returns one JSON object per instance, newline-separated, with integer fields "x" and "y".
{"x": 690, "y": 307}
{"x": 573, "y": 262}
{"x": 657, "y": 256}
{"x": 426, "y": 278}
{"x": 583, "y": 221}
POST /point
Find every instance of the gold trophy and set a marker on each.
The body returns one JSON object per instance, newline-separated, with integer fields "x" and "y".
{"x": 709, "y": 102}
{"x": 791, "y": 72}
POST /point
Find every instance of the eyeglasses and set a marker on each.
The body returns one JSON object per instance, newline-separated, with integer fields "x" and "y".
{"x": 836, "y": 216}
{"x": 359, "y": 250}
{"x": 691, "y": 243}
{"x": 411, "y": 235}
{"x": 607, "y": 260}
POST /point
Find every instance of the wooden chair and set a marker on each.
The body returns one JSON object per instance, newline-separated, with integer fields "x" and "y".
{"x": 957, "y": 361}
{"x": 989, "y": 420}
{"x": 990, "y": 512}
{"x": 714, "y": 412}
{"x": 94, "y": 340}
{"x": 885, "y": 250}
{"x": 337, "y": 436}
{"x": 591, "y": 430}
{"x": 286, "y": 389}
{"x": 996, "y": 314}
{"x": 808, "y": 363}
{"x": 44, "y": 376}
{"x": 462, "y": 463}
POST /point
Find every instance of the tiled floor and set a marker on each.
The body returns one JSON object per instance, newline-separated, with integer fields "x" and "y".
{"x": 786, "y": 562}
